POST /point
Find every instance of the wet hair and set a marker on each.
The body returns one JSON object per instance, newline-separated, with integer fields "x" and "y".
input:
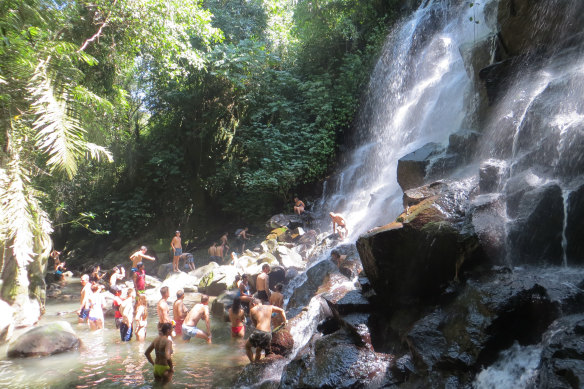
{"x": 256, "y": 301}
{"x": 244, "y": 277}
{"x": 204, "y": 298}
{"x": 165, "y": 328}
{"x": 236, "y": 305}
{"x": 180, "y": 293}
{"x": 265, "y": 265}
{"x": 163, "y": 290}
{"x": 279, "y": 287}
{"x": 237, "y": 277}
{"x": 143, "y": 248}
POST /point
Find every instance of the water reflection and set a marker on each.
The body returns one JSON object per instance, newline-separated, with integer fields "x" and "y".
{"x": 105, "y": 361}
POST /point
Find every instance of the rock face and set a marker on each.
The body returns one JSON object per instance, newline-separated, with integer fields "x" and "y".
{"x": 536, "y": 234}
{"x": 45, "y": 340}
{"x": 282, "y": 342}
{"x": 575, "y": 227}
{"x": 6, "y": 321}
{"x": 562, "y": 359}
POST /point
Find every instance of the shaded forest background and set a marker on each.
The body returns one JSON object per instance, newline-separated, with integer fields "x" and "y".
{"x": 133, "y": 117}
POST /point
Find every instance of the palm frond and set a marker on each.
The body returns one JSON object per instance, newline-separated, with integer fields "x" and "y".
{"x": 85, "y": 96}
{"x": 97, "y": 152}
{"x": 18, "y": 221}
{"x": 59, "y": 134}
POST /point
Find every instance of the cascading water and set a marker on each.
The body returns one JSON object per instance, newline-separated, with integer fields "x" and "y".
{"x": 416, "y": 95}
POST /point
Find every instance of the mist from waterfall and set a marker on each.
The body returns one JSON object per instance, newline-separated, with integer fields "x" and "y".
{"x": 416, "y": 95}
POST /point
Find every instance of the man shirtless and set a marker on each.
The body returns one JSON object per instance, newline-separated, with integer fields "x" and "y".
{"x": 162, "y": 308}
{"x": 237, "y": 318}
{"x": 162, "y": 346}
{"x": 263, "y": 283}
{"x": 261, "y": 337}
{"x": 179, "y": 311}
{"x": 83, "y": 311}
{"x": 223, "y": 242}
{"x": 198, "y": 312}
{"x": 176, "y": 246}
{"x": 339, "y": 225}
{"x": 138, "y": 256}
{"x": 277, "y": 299}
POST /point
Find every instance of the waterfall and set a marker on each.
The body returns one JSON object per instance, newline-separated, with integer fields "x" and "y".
{"x": 416, "y": 95}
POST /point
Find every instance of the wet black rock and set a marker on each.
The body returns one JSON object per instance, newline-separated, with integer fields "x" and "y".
{"x": 334, "y": 361}
{"x": 575, "y": 227}
{"x": 411, "y": 168}
{"x": 488, "y": 220}
{"x": 262, "y": 374}
{"x": 492, "y": 173}
{"x": 535, "y": 236}
{"x": 315, "y": 276}
{"x": 562, "y": 359}
{"x": 282, "y": 342}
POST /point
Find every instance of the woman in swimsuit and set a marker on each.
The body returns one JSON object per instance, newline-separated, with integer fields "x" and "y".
{"x": 243, "y": 289}
{"x": 140, "y": 320}
{"x": 298, "y": 206}
{"x": 237, "y": 317}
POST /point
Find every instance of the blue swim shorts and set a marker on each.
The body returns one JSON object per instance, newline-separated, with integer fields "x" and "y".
{"x": 190, "y": 332}
{"x": 177, "y": 252}
{"x": 84, "y": 314}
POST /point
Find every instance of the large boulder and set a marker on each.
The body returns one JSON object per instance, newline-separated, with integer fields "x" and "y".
{"x": 535, "y": 236}
{"x": 412, "y": 168}
{"x": 164, "y": 270}
{"x": 176, "y": 281}
{"x": 488, "y": 220}
{"x": 49, "y": 339}
{"x": 220, "y": 306}
{"x": 218, "y": 280}
{"x": 281, "y": 220}
{"x": 414, "y": 260}
{"x": 289, "y": 257}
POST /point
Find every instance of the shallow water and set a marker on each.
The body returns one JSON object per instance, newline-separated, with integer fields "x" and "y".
{"x": 105, "y": 361}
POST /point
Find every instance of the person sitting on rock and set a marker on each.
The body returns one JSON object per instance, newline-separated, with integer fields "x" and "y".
{"x": 261, "y": 337}
{"x": 243, "y": 289}
{"x": 189, "y": 260}
{"x": 339, "y": 225}
{"x": 298, "y": 206}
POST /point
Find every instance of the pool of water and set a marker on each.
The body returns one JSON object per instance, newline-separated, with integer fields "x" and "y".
{"x": 105, "y": 361}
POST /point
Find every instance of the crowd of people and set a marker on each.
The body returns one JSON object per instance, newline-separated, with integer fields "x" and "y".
{"x": 264, "y": 308}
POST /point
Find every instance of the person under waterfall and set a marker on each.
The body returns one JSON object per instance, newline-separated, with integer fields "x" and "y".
{"x": 339, "y": 225}
{"x": 261, "y": 337}
{"x": 298, "y": 206}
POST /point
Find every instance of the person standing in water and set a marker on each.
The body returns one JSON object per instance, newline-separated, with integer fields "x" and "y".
{"x": 198, "y": 312}
{"x": 162, "y": 308}
{"x": 162, "y": 346}
{"x": 179, "y": 311}
{"x": 127, "y": 310}
{"x": 83, "y": 311}
{"x": 141, "y": 317}
{"x": 237, "y": 318}
{"x": 263, "y": 283}
{"x": 176, "y": 245}
{"x": 139, "y": 279}
{"x": 95, "y": 302}
{"x": 261, "y": 337}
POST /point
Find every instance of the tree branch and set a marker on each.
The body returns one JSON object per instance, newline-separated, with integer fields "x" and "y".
{"x": 98, "y": 33}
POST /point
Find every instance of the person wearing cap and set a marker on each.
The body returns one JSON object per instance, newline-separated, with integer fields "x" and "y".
{"x": 176, "y": 246}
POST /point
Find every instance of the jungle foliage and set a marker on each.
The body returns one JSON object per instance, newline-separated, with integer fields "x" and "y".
{"x": 201, "y": 109}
